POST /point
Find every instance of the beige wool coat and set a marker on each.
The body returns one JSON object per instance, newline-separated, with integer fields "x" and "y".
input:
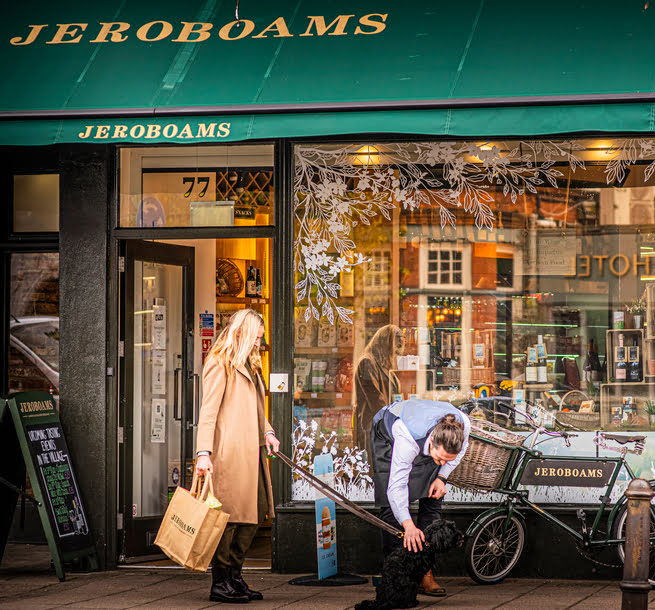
{"x": 228, "y": 426}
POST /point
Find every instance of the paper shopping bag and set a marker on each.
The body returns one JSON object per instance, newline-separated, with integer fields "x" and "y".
{"x": 191, "y": 529}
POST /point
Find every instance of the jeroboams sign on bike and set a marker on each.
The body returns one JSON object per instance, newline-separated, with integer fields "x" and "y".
{"x": 567, "y": 473}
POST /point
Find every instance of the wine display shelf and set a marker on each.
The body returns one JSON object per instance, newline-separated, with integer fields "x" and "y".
{"x": 612, "y": 342}
{"x": 325, "y": 395}
{"x": 242, "y": 300}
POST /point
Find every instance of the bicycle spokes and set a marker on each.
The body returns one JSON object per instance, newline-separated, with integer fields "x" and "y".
{"x": 495, "y": 547}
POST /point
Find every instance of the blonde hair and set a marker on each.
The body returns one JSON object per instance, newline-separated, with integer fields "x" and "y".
{"x": 448, "y": 434}
{"x": 236, "y": 344}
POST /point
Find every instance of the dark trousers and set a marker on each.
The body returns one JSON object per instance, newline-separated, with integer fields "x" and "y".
{"x": 429, "y": 510}
{"x": 238, "y": 537}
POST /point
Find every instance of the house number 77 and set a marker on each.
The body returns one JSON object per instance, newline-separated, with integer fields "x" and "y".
{"x": 191, "y": 181}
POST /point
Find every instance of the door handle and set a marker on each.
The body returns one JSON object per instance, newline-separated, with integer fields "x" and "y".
{"x": 176, "y": 393}
{"x": 196, "y": 402}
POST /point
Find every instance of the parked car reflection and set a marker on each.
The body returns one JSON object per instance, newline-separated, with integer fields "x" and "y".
{"x": 34, "y": 354}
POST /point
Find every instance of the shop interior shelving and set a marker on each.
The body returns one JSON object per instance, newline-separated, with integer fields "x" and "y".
{"x": 615, "y": 393}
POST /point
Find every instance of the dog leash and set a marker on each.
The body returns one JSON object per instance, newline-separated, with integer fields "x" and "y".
{"x": 332, "y": 494}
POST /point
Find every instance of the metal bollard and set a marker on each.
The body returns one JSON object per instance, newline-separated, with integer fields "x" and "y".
{"x": 635, "y": 585}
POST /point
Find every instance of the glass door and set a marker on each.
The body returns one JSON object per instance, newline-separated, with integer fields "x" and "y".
{"x": 159, "y": 387}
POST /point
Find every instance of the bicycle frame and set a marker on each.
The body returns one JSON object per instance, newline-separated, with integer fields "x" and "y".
{"x": 514, "y": 472}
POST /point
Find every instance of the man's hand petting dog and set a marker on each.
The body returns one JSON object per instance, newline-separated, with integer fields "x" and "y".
{"x": 414, "y": 537}
{"x": 437, "y": 489}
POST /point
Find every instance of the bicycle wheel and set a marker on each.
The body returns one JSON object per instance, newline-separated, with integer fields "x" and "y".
{"x": 618, "y": 531}
{"x": 490, "y": 556}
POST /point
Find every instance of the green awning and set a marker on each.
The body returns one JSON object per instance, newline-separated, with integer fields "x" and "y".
{"x": 141, "y": 71}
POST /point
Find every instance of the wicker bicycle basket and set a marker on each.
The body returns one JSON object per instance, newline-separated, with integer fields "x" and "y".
{"x": 483, "y": 465}
{"x": 583, "y": 421}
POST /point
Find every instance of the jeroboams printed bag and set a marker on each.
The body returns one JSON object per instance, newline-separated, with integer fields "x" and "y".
{"x": 192, "y": 526}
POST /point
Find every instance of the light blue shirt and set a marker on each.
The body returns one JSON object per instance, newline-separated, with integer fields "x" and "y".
{"x": 406, "y": 449}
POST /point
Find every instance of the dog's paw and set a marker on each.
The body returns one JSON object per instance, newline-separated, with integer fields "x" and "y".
{"x": 367, "y": 604}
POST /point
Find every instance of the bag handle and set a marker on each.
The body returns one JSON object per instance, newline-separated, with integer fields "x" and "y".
{"x": 200, "y": 491}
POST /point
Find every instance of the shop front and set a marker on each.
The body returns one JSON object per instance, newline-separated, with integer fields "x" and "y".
{"x": 412, "y": 210}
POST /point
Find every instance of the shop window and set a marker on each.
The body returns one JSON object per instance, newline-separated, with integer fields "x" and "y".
{"x": 197, "y": 186}
{"x": 437, "y": 269}
{"x": 36, "y": 203}
{"x": 34, "y": 323}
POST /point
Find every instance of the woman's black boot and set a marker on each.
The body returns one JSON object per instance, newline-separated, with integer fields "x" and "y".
{"x": 241, "y": 585}
{"x": 223, "y": 589}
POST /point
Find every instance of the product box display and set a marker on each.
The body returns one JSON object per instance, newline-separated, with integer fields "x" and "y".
{"x": 344, "y": 334}
{"x": 327, "y": 333}
{"x": 302, "y": 374}
{"x": 319, "y": 368}
{"x": 306, "y": 332}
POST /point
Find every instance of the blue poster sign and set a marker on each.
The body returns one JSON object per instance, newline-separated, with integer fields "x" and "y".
{"x": 326, "y": 519}
{"x": 207, "y": 321}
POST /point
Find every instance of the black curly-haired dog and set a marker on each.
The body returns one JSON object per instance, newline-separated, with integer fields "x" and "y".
{"x": 403, "y": 570}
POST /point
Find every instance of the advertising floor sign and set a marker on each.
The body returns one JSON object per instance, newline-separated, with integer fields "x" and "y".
{"x": 29, "y": 425}
{"x": 326, "y": 519}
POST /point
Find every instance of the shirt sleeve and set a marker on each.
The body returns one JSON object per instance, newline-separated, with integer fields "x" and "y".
{"x": 444, "y": 471}
{"x": 403, "y": 454}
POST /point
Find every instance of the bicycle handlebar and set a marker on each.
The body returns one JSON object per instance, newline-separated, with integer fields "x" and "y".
{"x": 541, "y": 430}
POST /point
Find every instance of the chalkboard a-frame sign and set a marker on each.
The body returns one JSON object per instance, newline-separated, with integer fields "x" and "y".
{"x": 29, "y": 422}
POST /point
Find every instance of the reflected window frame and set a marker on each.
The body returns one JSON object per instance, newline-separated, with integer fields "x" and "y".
{"x": 426, "y": 247}
{"x": 13, "y": 231}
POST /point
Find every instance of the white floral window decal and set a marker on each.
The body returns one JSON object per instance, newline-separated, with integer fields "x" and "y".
{"x": 338, "y": 187}
{"x": 335, "y": 190}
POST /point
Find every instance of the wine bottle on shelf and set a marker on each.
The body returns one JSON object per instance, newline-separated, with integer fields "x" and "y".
{"x": 602, "y": 373}
{"x": 620, "y": 365}
{"x": 251, "y": 287}
{"x": 412, "y": 392}
{"x": 542, "y": 369}
{"x": 457, "y": 345}
{"x": 597, "y": 370}
{"x": 588, "y": 363}
{"x": 634, "y": 369}
{"x": 258, "y": 284}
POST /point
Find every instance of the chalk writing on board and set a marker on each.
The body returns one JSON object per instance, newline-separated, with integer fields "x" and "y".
{"x": 59, "y": 485}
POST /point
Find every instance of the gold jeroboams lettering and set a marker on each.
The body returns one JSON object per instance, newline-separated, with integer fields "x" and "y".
{"x": 567, "y": 472}
{"x": 153, "y": 131}
{"x": 198, "y": 31}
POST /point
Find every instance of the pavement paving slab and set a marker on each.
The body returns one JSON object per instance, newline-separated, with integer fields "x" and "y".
{"x": 465, "y": 593}
{"x": 560, "y": 594}
{"x": 36, "y": 587}
{"x": 139, "y": 595}
{"x": 83, "y": 589}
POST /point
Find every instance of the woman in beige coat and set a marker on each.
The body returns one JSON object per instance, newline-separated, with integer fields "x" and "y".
{"x": 232, "y": 434}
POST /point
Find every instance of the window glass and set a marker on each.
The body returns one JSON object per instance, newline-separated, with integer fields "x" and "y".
{"x": 197, "y": 186}
{"x": 433, "y": 269}
{"x": 34, "y": 323}
{"x": 36, "y": 203}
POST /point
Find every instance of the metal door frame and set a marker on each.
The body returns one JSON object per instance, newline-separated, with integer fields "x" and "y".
{"x": 168, "y": 254}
